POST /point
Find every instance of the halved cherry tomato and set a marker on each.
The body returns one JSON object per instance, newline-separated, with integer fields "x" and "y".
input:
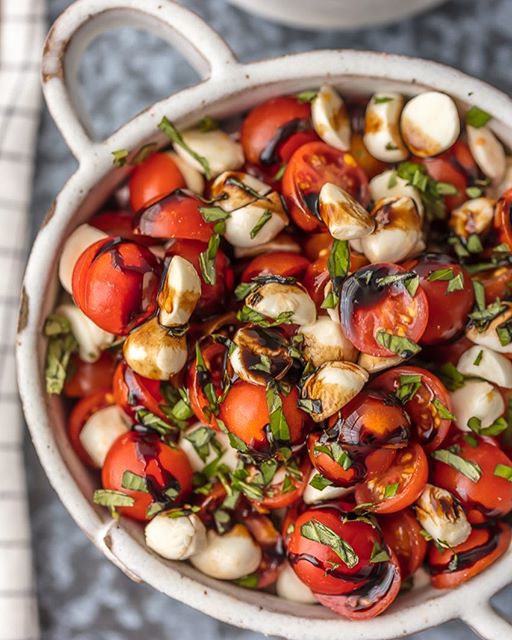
{"x": 85, "y": 378}
{"x": 174, "y": 216}
{"x": 213, "y": 296}
{"x": 280, "y": 263}
{"x": 79, "y": 415}
{"x": 213, "y": 355}
{"x": 245, "y": 413}
{"x": 165, "y": 469}
{"x": 370, "y": 165}
{"x": 115, "y": 283}
{"x": 309, "y": 168}
{"x": 503, "y": 218}
{"x": 317, "y": 274}
{"x": 399, "y": 485}
{"x": 448, "y": 309}
{"x": 402, "y": 532}
{"x": 316, "y": 245}
{"x": 451, "y": 567}
{"x": 119, "y": 224}
{"x": 490, "y": 494}
{"x": 133, "y": 392}
{"x": 286, "y": 487}
{"x": 334, "y": 461}
{"x": 269, "y": 125}
{"x": 318, "y": 565}
{"x": 497, "y": 283}
{"x": 369, "y": 600}
{"x": 370, "y": 305}
{"x": 150, "y": 181}
{"x": 424, "y": 397}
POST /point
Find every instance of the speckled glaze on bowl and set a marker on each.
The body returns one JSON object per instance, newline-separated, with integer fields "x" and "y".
{"x": 228, "y": 88}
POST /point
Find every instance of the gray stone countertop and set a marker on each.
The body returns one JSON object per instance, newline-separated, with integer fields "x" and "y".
{"x": 81, "y": 595}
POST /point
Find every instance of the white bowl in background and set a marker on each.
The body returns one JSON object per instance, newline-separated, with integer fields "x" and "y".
{"x": 228, "y": 88}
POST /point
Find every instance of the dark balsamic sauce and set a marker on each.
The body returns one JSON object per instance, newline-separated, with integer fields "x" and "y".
{"x": 269, "y": 154}
{"x": 311, "y": 201}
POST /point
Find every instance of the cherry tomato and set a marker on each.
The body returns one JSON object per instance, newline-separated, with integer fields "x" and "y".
{"x": 318, "y": 565}
{"x": 490, "y": 494}
{"x": 213, "y": 355}
{"x": 370, "y": 165}
{"x": 174, "y": 216}
{"x": 286, "y": 487}
{"x": 165, "y": 469}
{"x": 317, "y": 274}
{"x": 424, "y": 397}
{"x": 213, "y": 296}
{"x": 119, "y": 224}
{"x": 483, "y": 547}
{"x": 133, "y": 392}
{"x": 88, "y": 377}
{"x": 370, "y": 600}
{"x": 497, "y": 283}
{"x": 280, "y": 263}
{"x": 402, "y": 533}
{"x": 399, "y": 485}
{"x": 309, "y": 168}
{"x": 269, "y": 125}
{"x": 115, "y": 283}
{"x": 316, "y": 245}
{"x": 334, "y": 461}
{"x": 266, "y": 535}
{"x": 151, "y": 180}
{"x": 79, "y": 415}
{"x": 245, "y": 413}
{"x": 448, "y": 310}
{"x": 370, "y": 309}
{"x": 503, "y": 218}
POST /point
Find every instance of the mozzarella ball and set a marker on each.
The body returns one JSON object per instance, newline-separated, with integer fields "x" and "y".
{"x": 332, "y": 492}
{"x": 345, "y": 218}
{"x": 374, "y": 364}
{"x": 389, "y": 185}
{"x": 334, "y": 384}
{"x": 482, "y": 362}
{"x": 78, "y": 241}
{"x": 473, "y": 216}
{"x": 193, "y": 178}
{"x": 495, "y": 191}
{"x": 91, "y": 339}
{"x": 381, "y": 127}
{"x": 479, "y": 400}
{"x": 230, "y": 556}
{"x": 175, "y": 538}
{"x": 490, "y": 336}
{"x": 325, "y": 341}
{"x": 430, "y": 123}
{"x": 179, "y": 294}
{"x": 274, "y": 298}
{"x": 330, "y": 118}
{"x": 220, "y": 151}
{"x": 488, "y": 152}
{"x": 101, "y": 431}
{"x": 441, "y": 515}
{"x": 290, "y": 587}
{"x": 153, "y": 353}
{"x": 228, "y": 455}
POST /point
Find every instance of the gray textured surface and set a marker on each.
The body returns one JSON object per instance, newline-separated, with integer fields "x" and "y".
{"x": 82, "y": 596}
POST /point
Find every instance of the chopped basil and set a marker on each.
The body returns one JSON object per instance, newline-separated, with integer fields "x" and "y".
{"x": 474, "y": 244}
{"x": 207, "y": 259}
{"x": 310, "y": 406}
{"x": 336, "y": 452}
{"x": 454, "y": 563}
{"x": 279, "y": 173}
{"x": 473, "y": 192}
{"x": 482, "y": 318}
{"x": 246, "y": 314}
{"x": 182, "y": 512}
{"x": 246, "y": 188}
{"x": 201, "y": 439}
{"x": 452, "y": 378}
{"x": 265, "y": 217}
{"x": 471, "y": 440}
{"x": 393, "y": 181}
{"x": 477, "y": 117}
{"x": 214, "y": 214}
{"x": 222, "y": 520}
{"x": 152, "y": 421}
{"x": 400, "y": 345}
{"x": 154, "y": 508}
{"x": 264, "y": 364}
{"x": 61, "y": 345}
{"x": 249, "y": 582}
{"x": 381, "y": 99}
{"x": 134, "y": 482}
{"x": 319, "y": 482}
{"x": 446, "y": 189}
{"x": 330, "y": 301}
{"x": 470, "y": 469}
{"x": 456, "y": 283}
{"x": 278, "y": 424}
{"x": 409, "y": 385}
{"x": 431, "y": 191}
{"x": 306, "y": 96}
{"x": 239, "y": 481}
{"x": 207, "y": 385}
{"x": 288, "y": 485}
{"x": 112, "y": 499}
{"x": 390, "y": 490}
{"x": 503, "y": 471}
{"x": 175, "y": 137}
{"x": 390, "y": 146}
{"x": 410, "y": 281}
{"x": 443, "y": 412}
{"x": 318, "y": 532}
{"x": 338, "y": 263}
{"x": 244, "y": 289}
{"x": 120, "y": 157}
{"x": 479, "y": 290}
{"x": 144, "y": 152}
{"x": 207, "y": 123}
{"x": 441, "y": 274}
{"x": 478, "y": 359}
{"x": 379, "y": 554}
{"x": 504, "y": 331}
{"x": 494, "y": 429}
{"x": 268, "y": 469}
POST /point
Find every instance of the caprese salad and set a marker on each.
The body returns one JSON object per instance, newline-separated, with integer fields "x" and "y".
{"x": 287, "y": 349}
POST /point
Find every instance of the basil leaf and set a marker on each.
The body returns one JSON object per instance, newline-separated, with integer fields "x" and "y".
{"x": 443, "y": 412}
{"x": 400, "y": 345}
{"x": 482, "y": 318}
{"x": 503, "y": 471}
{"x": 381, "y": 99}
{"x": 473, "y": 192}
{"x": 319, "y": 482}
{"x": 494, "y": 429}
{"x": 151, "y": 420}
{"x": 336, "y": 452}
{"x": 318, "y": 532}
{"x": 214, "y": 214}
{"x": 120, "y": 157}
{"x": 134, "y": 482}
{"x": 279, "y": 173}
{"x": 306, "y": 96}
{"x": 477, "y": 117}
{"x": 390, "y": 490}
{"x": 379, "y": 554}
{"x": 175, "y": 137}
{"x": 207, "y": 260}
{"x": 207, "y": 123}
{"x": 246, "y": 188}
{"x": 61, "y": 346}
{"x": 249, "y": 582}
{"x": 265, "y": 217}
{"x": 312, "y": 407}
{"x": 456, "y": 283}
{"x": 246, "y": 314}
{"x": 393, "y": 181}
{"x": 112, "y": 499}
{"x": 470, "y": 469}
{"x": 409, "y": 385}
{"x": 338, "y": 263}
{"x": 478, "y": 359}
{"x": 278, "y": 424}
{"x": 144, "y": 153}
{"x": 330, "y": 301}
{"x": 244, "y": 289}
{"x": 200, "y": 439}
{"x": 504, "y": 331}
{"x": 452, "y": 378}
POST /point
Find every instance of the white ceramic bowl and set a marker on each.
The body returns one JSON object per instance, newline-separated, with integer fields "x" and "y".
{"x": 334, "y": 14}
{"x": 228, "y": 88}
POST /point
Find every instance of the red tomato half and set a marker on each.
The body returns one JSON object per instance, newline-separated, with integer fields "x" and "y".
{"x": 79, "y": 415}
{"x": 286, "y": 488}
{"x": 132, "y": 392}
{"x": 153, "y": 179}
{"x": 115, "y": 283}
{"x": 503, "y": 218}
{"x": 166, "y": 470}
{"x": 368, "y": 307}
{"x": 309, "y": 168}
{"x": 497, "y": 283}
{"x": 213, "y": 355}
{"x": 280, "y": 263}
{"x": 423, "y": 391}
{"x": 85, "y": 378}
{"x": 402, "y": 532}
{"x": 335, "y": 463}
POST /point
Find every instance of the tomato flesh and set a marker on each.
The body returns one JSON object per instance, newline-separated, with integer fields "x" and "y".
{"x": 402, "y": 533}
{"x": 156, "y": 177}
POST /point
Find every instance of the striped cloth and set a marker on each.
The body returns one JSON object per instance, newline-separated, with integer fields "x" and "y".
{"x": 22, "y": 28}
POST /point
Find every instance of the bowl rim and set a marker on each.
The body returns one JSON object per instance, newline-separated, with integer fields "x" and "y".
{"x": 227, "y": 81}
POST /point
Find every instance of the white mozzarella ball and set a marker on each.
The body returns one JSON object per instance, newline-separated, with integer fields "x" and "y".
{"x": 274, "y": 298}
{"x": 488, "y": 152}
{"x": 476, "y": 399}
{"x": 330, "y": 118}
{"x": 230, "y": 556}
{"x": 228, "y": 455}
{"x": 389, "y": 185}
{"x": 175, "y": 538}
{"x": 101, "y": 431}
{"x": 78, "y": 241}
{"x": 91, "y": 339}
{"x": 430, "y": 123}
{"x": 220, "y": 151}
{"x": 442, "y": 516}
{"x": 490, "y": 336}
{"x": 325, "y": 341}
{"x": 495, "y": 191}
{"x": 374, "y": 364}
{"x": 482, "y": 362}
{"x": 381, "y": 127}
{"x": 193, "y": 178}
{"x": 180, "y": 292}
{"x": 473, "y": 216}
{"x": 290, "y": 587}
{"x": 345, "y": 218}
{"x": 332, "y": 492}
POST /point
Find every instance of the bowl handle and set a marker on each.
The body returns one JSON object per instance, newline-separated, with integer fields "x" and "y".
{"x": 84, "y": 20}
{"x": 486, "y": 622}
